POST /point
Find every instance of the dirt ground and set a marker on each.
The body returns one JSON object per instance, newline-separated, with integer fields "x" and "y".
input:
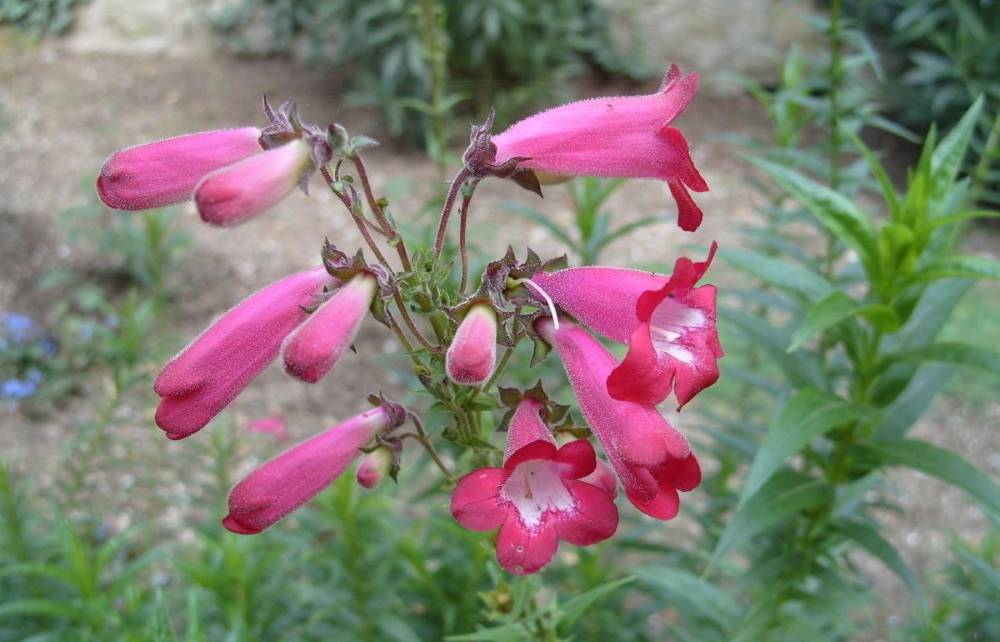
{"x": 60, "y": 116}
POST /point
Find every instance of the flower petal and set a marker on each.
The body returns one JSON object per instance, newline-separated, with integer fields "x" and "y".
{"x": 577, "y": 457}
{"x": 522, "y": 551}
{"x": 594, "y": 518}
{"x": 474, "y": 502}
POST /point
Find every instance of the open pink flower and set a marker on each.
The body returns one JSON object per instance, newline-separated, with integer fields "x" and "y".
{"x": 652, "y": 459}
{"x": 537, "y": 498}
{"x": 166, "y": 171}
{"x": 627, "y": 136}
{"x": 284, "y": 483}
{"x": 668, "y": 324}
{"x": 274, "y": 426}
{"x": 236, "y": 193}
{"x": 316, "y": 346}
{"x": 471, "y": 356}
{"x": 213, "y": 369}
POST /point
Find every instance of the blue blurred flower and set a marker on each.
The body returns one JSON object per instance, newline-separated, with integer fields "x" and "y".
{"x": 48, "y": 346}
{"x": 18, "y": 389}
{"x": 17, "y": 326}
{"x": 87, "y": 331}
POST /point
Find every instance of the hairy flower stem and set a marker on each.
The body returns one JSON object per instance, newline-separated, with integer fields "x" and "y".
{"x": 449, "y": 204}
{"x": 467, "y": 193}
{"x": 408, "y": 320}
{"x": 358, "y": 220}
{"x": 425, "y": 441}
{"x": 393, "y": 236}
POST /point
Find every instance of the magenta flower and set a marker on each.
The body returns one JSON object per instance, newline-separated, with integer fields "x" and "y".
{"x": 284, "y": 483}
{"x": 274, "y": 426}
{"x": 213, "y": 369}
{"x": 472, "y": 354}
{"x": 166, "y": 171}
{"x": 316, "y": 346}
{"x": 668, "y": 324}
{"x": 238, "y": 192}
{"x": 652, "y": 459}
{"x": 627, "y": 136}
{"x": 537, "y": 498}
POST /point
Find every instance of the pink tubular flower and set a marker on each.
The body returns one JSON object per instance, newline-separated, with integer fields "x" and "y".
{"x": 652, "y": 459}
{"x": 471, "y": 356}
{"x": 668, "y": 324}
{"x": 284, "y": 483}
{"x": 627, "y": 136}
{"x": 316, "y": 346}
{"x": 274, "y": 426}
{"x": 238, "y": 192}
{"x": 213, "y": 369}
{"x": 166, "y": 171}
{"x": 537, "y": 498}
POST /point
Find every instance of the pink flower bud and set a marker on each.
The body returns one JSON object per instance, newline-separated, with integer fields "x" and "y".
{"x": 472, "y": 354}
{"x": 375, "y": 466}
{"x": 238, "y": 192}
{"x": 284, "y": 483}
{"x": 626, "y": 136}
{"x": 214, "y": 368}
{"x": 274, "y": 426}
{"x": 317, "y": 345}
{"x": 166, "y": 171}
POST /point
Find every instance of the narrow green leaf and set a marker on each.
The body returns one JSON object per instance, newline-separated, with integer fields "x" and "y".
{"x": 539, "y": 218}
{"x": 690, "y": 594}
{"x": 881, "y": 175}
{"x": 508, "y": 632}
{"x": 940, "y": 463}
{"x": 779, "y": 273}
{"x": 837, "y": 307}
{"x": 915, "y": 399}
{"x": 952, "y": 352}
{"x": 982, "y": 568}
{"x": 630, "y": 227}
{"x": 784, "y": 495}
{"x": 809, "y": 414}
{"x": 574, "y": 607}
{"x": 40, "y": 607}
{"x": 959, "y": 267}
{"x": 834, "y": 210}
{"x": 870, "y": 540}
{"x": 802, "y": 370}
{"x": 964, "y": 215}
{"x": 948, "y": 155}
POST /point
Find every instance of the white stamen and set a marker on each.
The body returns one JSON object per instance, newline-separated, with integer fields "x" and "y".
{"x": 548, "y": 300}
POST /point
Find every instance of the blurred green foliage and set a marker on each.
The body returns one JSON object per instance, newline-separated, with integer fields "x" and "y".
{"x": 40, "y": 17}
{"x": 511, "y": 54}
{"x": 940, "y": 56}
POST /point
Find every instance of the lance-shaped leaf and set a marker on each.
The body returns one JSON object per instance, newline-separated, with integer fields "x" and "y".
{"x": 838, "y": 307}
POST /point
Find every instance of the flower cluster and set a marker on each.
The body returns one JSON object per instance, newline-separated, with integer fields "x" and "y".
{"x": 549, "y": 485}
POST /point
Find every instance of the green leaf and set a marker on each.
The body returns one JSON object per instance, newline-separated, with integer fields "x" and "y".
{"x": 573, "y": 608}
{"x": 809, "y": 414}
{"x": 688, "y": 593}
{"x": 952, "y": 352}
{"x": 40, "y": 607}
{"x": 948, "y": 155}
{"x": 508, "y": 632}
{"x": 779, "y": 273}
{"x": 869, "y": 539}
{"x": 964, "y": 215}
{"x": 783, "y": 496}
{"x": 915, "y": 399}
{"x": 837, "y": 307}
{"x": 835, "y": 211}
{"x": 940, "y": 463}
{"x": 802, "y": 369}
{"x": 960, "y": 267}
{"x": 878, "y": 170}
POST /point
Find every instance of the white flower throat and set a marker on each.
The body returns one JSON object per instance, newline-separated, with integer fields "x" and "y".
{"x": 670, "y": 321}
{"x": 534, "y": 488}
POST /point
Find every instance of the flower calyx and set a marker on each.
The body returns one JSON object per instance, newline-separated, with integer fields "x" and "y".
{"x": 480, "y": 156}
{"x": 396, "y": 413}
{"x": 286, "y": 126}
{"x": 554, "y": 415}
{"x": 344, "y": 267}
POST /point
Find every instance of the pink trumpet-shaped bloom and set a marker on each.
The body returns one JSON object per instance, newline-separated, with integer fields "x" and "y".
{"x": 284, "y": 483}
{"x": 537, "y": 498}
{"x": 627, "y": 136}
{"x": 652, "y": 459}
{"x": 238, "y": 192}
{"x": 166, "y": 171}
{"x": 668, "y": 324}
{"x": 316, "y": 346}
{"x": 213, "y": 369}
{"x": 472, "y": 354}
{"x": 274, "y": 426}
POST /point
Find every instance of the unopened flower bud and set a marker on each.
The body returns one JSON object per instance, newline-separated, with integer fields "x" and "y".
{"x": 472, "y": 354}
{"x": 375, "y": 466}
